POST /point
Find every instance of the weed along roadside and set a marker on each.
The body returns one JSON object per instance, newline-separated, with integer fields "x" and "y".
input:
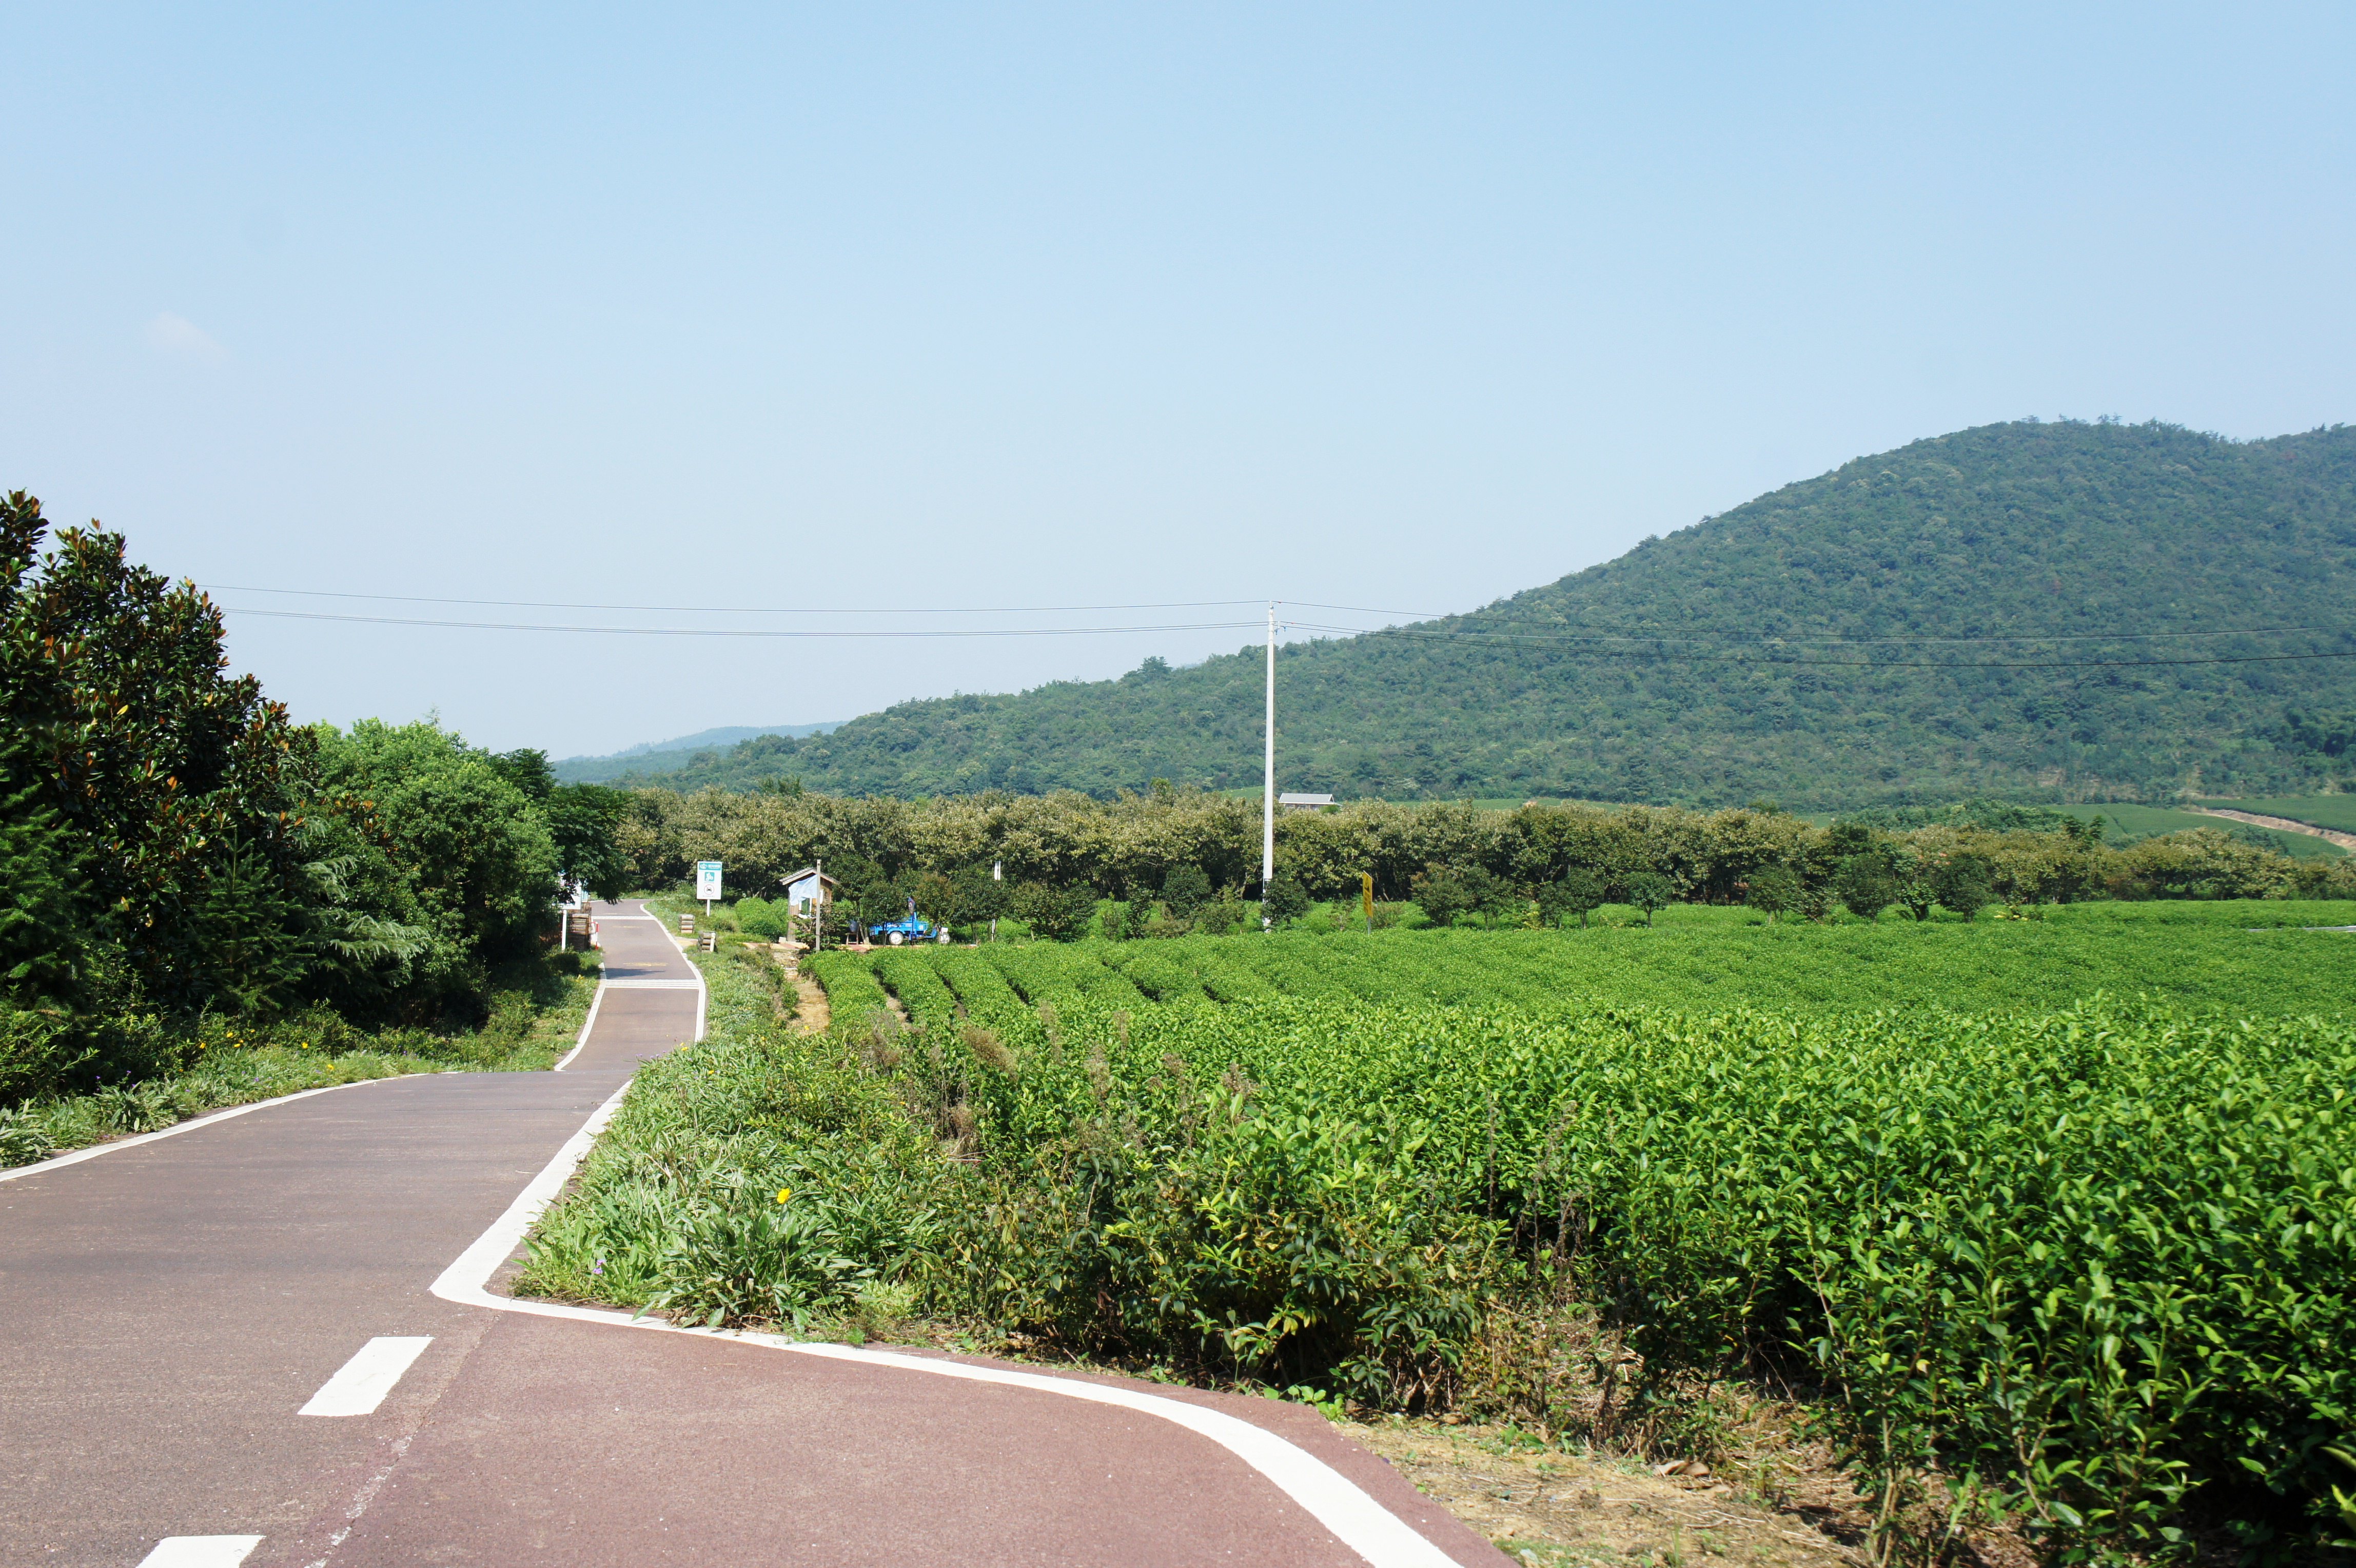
{"x": 223, "y": 1062}
{"x": 2074, "y": 1279}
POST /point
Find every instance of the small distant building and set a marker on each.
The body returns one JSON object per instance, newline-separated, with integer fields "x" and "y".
{"x": 806, "y": 886}
{"x": 1304, "y": 802}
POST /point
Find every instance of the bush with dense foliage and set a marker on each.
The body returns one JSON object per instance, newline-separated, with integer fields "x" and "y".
{"x": 173, "y": 848}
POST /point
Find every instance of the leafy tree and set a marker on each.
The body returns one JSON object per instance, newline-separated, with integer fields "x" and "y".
{"x": 975, "y": 896}
{"x": 42, "y": 900}
{"x": 1135, "y": 914}
{"x": 2083, "y": 832}
{"x": 1284, "y": 902}
{"x": 1058, "y": 914}
{"x": 1651, "y": 892}
{"x": 877, "y": 903}
{"x": 447, "y": 842}
{"x": 1443, "y": 894}
{"x": 583, "y": 825}
{"x": 1963, "y": 884}
{"x": 158, "y": 766}
{"x": 1187, "y": 889}
{"x": 1868, "y": 884}
{"x": 1775, "y": 890}
{"x": 1848, "y": 837}
{"x": 1578, "y": 891}
{"x": 1914, "y": 891}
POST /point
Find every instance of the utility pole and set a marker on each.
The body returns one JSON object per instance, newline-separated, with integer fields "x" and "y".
{"x": 1268, "y": 782}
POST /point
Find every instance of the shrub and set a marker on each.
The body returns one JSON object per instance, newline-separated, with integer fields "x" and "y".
{"x": 759, "y": 918}
{"x": 1774, "y": 891}
{"x": 1962, "y": 885}
{"x": 1285, "y": 901}
{"x": 1868, "y": 884}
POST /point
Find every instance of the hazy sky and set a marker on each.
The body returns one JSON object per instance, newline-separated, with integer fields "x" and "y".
{"x": 893, "y": 306}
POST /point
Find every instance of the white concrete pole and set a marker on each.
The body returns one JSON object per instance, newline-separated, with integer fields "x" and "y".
{"x": 1268, "y": 780}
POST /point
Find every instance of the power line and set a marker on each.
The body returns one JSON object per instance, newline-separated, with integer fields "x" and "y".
{"x": 1612, "y": 635}
{"x": 734, "y": 631}
{"x": 719, "y": 610}
{"x": 1653, "y": 653}
{"x": 1667, "y": 654}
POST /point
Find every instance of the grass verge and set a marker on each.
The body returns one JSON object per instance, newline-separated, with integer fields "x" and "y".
{"x": 532, "y": 1021}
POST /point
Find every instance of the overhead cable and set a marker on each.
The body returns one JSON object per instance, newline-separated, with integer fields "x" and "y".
{"x": 720, "y": 609}
{"x": 738, "y": 631}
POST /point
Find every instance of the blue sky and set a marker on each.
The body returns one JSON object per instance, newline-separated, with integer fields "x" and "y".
{"x": 863, "y": 308}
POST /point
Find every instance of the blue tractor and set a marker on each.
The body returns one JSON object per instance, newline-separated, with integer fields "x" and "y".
{"x": 910, "y": 929}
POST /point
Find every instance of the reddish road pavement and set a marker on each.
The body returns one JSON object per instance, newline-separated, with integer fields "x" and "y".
{"x": 170, "y": 1308}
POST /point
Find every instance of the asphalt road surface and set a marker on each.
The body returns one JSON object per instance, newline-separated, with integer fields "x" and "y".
{"x": 222, "y": 1346}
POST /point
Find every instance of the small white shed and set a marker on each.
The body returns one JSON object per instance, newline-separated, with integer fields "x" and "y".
{"x": 805, "y": 887}
{"x": 1303, "y": 802}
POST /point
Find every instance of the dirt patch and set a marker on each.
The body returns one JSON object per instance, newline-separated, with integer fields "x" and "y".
{"x": 2330, "y": 835}
{"x": 1552, "y": 1510}
{"x": 811, "y": 1013}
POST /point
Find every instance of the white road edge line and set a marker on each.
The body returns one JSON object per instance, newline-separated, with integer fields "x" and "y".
{"x": 702, "y": 992}
{"x": 200, "y": 1550}
{"x": 586, "y": 1024}
{"x": 1367, "y": 1528}
{"x": 360, "y": 1384}
{"x": 75, "y": 1156}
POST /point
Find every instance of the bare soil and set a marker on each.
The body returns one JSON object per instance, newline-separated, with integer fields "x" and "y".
{"x": 2330, "y": 835}
{"x": 1547, "y": 1508}
{"x": 811, "y": 1013}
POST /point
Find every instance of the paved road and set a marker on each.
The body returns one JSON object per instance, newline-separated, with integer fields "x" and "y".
{"x": 169, "y": 1309}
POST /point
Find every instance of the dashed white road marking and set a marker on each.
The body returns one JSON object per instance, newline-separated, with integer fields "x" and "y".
{"x": 200, "y": 1551}
{"x": 364, "y": 1380}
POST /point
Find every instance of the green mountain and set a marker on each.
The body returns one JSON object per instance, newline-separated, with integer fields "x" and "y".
{"x": 666, "y": 756}
{"x": 2063, "y": 611}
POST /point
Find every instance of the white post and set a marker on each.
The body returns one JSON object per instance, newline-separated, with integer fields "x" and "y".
{"x": 1267, "y": 781}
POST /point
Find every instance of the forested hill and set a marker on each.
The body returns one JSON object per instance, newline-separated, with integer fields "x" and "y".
{"x": 1787, "y": 649}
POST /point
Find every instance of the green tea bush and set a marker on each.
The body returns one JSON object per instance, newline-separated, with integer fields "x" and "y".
{"x": 853, "y": 993}
{"x": 2084, "y": 1269}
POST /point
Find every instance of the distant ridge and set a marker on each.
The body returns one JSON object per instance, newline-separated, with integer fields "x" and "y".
{"x": 663, "y": 756}
{"x": 2030, "y": 611}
